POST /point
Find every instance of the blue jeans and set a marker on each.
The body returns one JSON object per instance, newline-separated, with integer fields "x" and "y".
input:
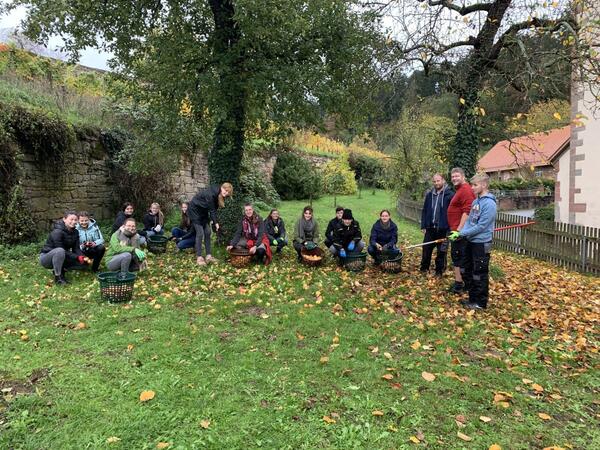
{"x": 185, "y": 243}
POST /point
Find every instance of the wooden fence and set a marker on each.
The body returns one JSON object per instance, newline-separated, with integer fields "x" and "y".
{"x": 573, "y": 246}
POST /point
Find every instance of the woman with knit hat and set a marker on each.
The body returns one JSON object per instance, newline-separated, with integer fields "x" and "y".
{"x": 347, "y": 236}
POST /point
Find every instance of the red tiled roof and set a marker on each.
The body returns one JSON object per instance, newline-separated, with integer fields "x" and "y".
{"x": 537, "y": 149}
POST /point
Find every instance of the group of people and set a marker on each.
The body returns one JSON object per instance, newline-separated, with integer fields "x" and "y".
{"x": 465, "y": 216}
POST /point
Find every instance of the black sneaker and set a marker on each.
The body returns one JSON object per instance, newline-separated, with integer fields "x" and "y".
{"x": 59, "y": 280}
{"x": 472, "y": 305}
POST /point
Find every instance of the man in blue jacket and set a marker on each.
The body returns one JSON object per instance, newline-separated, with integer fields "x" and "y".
{"x": 478, "y": 231}
{"x": 434, "y": 224}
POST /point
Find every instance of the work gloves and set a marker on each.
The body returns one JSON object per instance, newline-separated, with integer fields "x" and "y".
{"x": 140, "y": 254}
{"x": 351, "y": 246}
{"x": 342, "y": 253}
{"x": 454, "y": 235}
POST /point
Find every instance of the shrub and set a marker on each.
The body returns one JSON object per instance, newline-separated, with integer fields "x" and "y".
{"x": 371, "y": 171}
{"x": 229, "y": 217}
{"x": 544, "y": 213}
{"x": 255, "y": 187}
{"x": 338, "y": 179}
{"x": 294, "y": 178}
{"x": 516, "y": 184}
{"x": 16, "y": 224}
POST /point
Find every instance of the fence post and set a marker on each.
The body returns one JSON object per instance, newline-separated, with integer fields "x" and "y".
{"x": 583, "y": 252}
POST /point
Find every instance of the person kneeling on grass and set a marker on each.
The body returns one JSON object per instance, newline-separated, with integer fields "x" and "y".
{"x": 384, "y": 236}
{"x": 91, "y": 241}
{"x": 347, "y": 237}
{"x": 124, "y": 252}
{"x": 61, "y": 250}
{"x": 477, "y": 232}
{"x": 250, "y": 234}
{"x": 185, "y": 234}
{"x": 154, "y": 220}
{"x": 306, "y": 233}
{"x": 275, "y": 229}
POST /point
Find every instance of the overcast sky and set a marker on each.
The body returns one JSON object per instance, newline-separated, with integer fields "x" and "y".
{"x": 90, "y": 57}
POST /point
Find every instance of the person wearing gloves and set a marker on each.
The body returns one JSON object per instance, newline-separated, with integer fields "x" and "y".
{"x": 91, "y": 241}
{"x": 275, "y": 229}
{"x": 477, "y": 234}
{"x": 61, "y": 250}
{"x": 250, "y": 234}
{"x": 347, "y": 237}
{"x": 434, "y": 224}
{"x": 153, "y": 220}
{"x": 185, "y": 234}
{"x": 383, "y": 238}
{"x": 202, "y": 211}
{"x": 332, "y": 225}
{"x": 124, "y": 253}
{"x": 306, "y": 233}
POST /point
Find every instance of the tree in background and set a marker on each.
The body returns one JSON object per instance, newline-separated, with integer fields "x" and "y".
{"x": 224, "y": 64}
{"x": 481, "y": 40}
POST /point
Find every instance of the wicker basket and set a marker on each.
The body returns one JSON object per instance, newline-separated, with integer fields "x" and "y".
{"x": 312, "y": 257}
{"x": 239, "y": 257}
{"x": 116, "y": 287}
{"x": 391, "y": 263}
{"x": 355, "y": 262}
{"x": 157, "y": 243}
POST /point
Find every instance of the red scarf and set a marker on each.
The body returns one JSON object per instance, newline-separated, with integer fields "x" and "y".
{"x": 250, "y": 227}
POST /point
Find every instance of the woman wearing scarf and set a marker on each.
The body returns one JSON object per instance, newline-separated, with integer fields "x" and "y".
{"x": 251, "y": 234}
{"x": 202, "y": 210}
{"x": 384, "y": 236}
{"x": 307, "y": 232}
{"x": 124, "y": 253}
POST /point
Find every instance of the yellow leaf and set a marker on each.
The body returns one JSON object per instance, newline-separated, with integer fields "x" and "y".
{"x": 80, "y": 326}
{"x": 485, "y": 419}
{"x": 205, "y": 423}
{"x": 129, "y": 347}
{"x": 482, "y": 111}
{"x": 526, "y": 381}
{"x": 377, "y": 413}
{"x": 544, "y": 416}
{"x": 536, "y": 387}
{"x": 146, "y": 395}
{"x": 328, "y": 419}
{"x": 495, "y": 447}
{"x": 387, "y": 376}
{"x": 463, "y": 436}
{"x": 428, "y": 376}
{"x": 416, "y": 345}
{"x": 414, "y": 439}
{"x": 112, "y": 440}
{"x": 162, "y": 445}
{"x": 324, "y": 360}
{"x": 557, "y": 116}
{"x": 462, "y": 101}
{"x": 387, "y": 355}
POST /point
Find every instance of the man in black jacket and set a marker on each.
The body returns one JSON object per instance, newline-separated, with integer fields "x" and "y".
{"x": 61, "y": 250}
{"x": 347, "y": 237}
{"x": 434, "y": 224}
{"x": 332, "y": 225}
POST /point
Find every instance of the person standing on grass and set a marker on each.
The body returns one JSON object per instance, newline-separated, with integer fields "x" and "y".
{"x": 477, "y": 235}
{"x": 275, "y": 229}
{"x": 384, "y": 236}
{"x": 332, "y": 225}
{"x": 434, "y": 224}
{"x": 61, "y": 250}
{"x": 185, "y": 234}
{"x": 250, "y": 234}
{"x": 347, "y": 237}
{"x": 306, "y": 233}
{"x": 124, "y": 253}
{"x": 458, "y": 211}
{"x": 154, "y": 220}
{"x": 91, "y": 241}
{"x": 202, "y": 211}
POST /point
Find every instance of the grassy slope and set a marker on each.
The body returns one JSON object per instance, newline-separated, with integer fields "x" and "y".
{"x": 266, "y": 353}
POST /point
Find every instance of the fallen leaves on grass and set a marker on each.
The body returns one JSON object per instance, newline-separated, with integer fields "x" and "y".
{"x": 205, "y": 423}
{"x": 147, "y": 396}
{"x": 377, "y": 413}
{"x": 544, "y": 416}
{"x": 328, "y": 420}
{"x": 163, "y": 445}
{"x": 495, "y": 447}
{"x": 428, "y": 376}
{"x": 113, "y": 440}
{"x": 485, "y": 419}
{"x": 463, "y": 436}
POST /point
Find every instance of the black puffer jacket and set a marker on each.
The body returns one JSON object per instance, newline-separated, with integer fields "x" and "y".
{"x": 275, "y": 230}
{"x": 62, "y": 237}
{"x": 203, "y": 207}
{"x": 120, "y": 220}
{"x": 343, "y": 235}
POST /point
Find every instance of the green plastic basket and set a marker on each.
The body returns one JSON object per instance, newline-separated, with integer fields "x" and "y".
{"x": 157, "y": 243}
{"x": 355, "y": 262}
{"x": 116, "y": 287}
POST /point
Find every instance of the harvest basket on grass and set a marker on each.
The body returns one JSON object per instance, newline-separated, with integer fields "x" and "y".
{"x": 355, "y": 262}
{"x": 312, "y": 257}
{"x": 239, "y": 257}
{"x": 157, "y": 243}
{"x": 391, "y": 263}
{"x": 116, "y": 287}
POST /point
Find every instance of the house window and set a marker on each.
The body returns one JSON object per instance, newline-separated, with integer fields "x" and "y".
{"x": 506, "y": 176}
{"x": 538, "y": 173}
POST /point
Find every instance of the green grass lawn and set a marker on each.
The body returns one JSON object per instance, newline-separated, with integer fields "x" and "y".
{"x": 292, "y": 357}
